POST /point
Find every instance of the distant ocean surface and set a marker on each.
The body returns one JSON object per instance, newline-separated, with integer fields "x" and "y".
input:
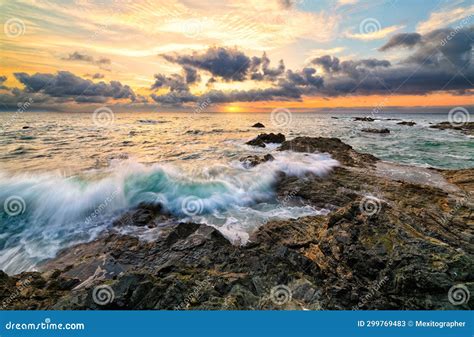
{"x": 64, "y": 177}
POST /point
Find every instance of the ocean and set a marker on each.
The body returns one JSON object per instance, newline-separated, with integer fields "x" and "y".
{"x": 65, "y": 177}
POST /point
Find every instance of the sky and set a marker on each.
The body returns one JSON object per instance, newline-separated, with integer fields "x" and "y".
{"x": 245, "y": 55}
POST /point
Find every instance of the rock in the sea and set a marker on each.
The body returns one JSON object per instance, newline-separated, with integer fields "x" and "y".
{"x": 265, "y": 138}
{"x": 142, "y": 215}
{"x": 364, "y": 119}
{"x": 406, "y": 123}
{"x": 258, "y": 125}
{"x": 376, "y": 130}
{"x": 339, "y": 150}
{"x": 253, "y": 160}
{"x": 467, "y": 127}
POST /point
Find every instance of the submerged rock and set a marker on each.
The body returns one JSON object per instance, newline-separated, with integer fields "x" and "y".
{"x": 266, "y": 138}
{"x": 467, "y": 127}
{"x": 406, "y": 123}
{"x": 376, "y": 130}
{"x": 251, "y": 161}
{"x": 258, "y": 125}
{"x": 364, "y": 119}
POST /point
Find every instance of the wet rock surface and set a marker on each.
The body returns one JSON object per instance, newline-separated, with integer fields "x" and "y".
{"x": 251, "y": 161}
{"x": 369, "y": 130}
{"x": 385, "y": 244}
{"x": 265, "y": 138}
{"x": 364, "y": 119}
{"x": 406, "y": 123}
{"x": 466, "y": 128}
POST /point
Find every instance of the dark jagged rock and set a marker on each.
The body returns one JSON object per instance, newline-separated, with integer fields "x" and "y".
{"x": 406, "y": 123}
{"x": 386, "y": 244}
{"x": 467, "y": 127}
{"x": 364, "y": 119}
{"x": 340, "y": 151}
{"x": 251, "y": 161}
{"x": 266, "y": 138}
{"x": 142, "y": 215}
{"x": 258, "y": 125}
{"x": 376, "y": 130}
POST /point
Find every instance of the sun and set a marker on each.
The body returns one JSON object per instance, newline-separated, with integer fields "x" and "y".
{"x": 233, "y": 108}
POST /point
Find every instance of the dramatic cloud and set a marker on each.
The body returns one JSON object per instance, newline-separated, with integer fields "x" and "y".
{"x": 2, "y": 80}
{"x": 445, "y": 48}
{"x": 260, "y": 69}
{"x": 439, "y": 61}
{"x": 67, "y": 85}
{"x": 228, "y": 64}
{"x": 403, "y": 39}
{"x": 77, "y": 56}
{"x": 95, "y": 76}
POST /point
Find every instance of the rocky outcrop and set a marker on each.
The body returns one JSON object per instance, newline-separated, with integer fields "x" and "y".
{"x": 386, "y": 244}
{"x": 467, "y": 127}
{"x": 385, "y": 130}
{"x": 258, "y": 125}
{"x": 364, "y": 119}
{"x": 253, "y": 160}
{"x": 266, "y": 138}
{"x": 406, "y": 123}
{"x": 343, "y": 152}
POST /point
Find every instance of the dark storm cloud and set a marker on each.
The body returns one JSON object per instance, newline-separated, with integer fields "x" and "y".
{"x": 2, "y": 80}
{"x": 95, "y": 76}
{"x": 77, "y": 56}
{"x": 174, "y": 82}
{"x": 354, "y": 69}
{"x": 260, "y": 69}
{"x": 64, "y": 84}
{"x": 228, "y": 64}
{"x": 402, "y": 40}
{"x": 445, "y": 47}
{"x": 190, "y": 74}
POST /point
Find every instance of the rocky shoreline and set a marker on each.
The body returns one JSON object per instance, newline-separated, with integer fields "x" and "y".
{"x": 396, "y": 237}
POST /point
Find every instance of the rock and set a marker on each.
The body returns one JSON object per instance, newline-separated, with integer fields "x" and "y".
{"x": 253, "y": 160}
{"x": 406, "y": 123}
{"x": 467, "y": 127}
{"x": 364, "y": 119}
{"x": 376, "y": 130}
{"x": 143, "y": 215}
{"x": 264, "y": 138}
{"x": 258, "y": 125}
{"x": 25, "y": 127}
{"x": 340, "y": 151}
